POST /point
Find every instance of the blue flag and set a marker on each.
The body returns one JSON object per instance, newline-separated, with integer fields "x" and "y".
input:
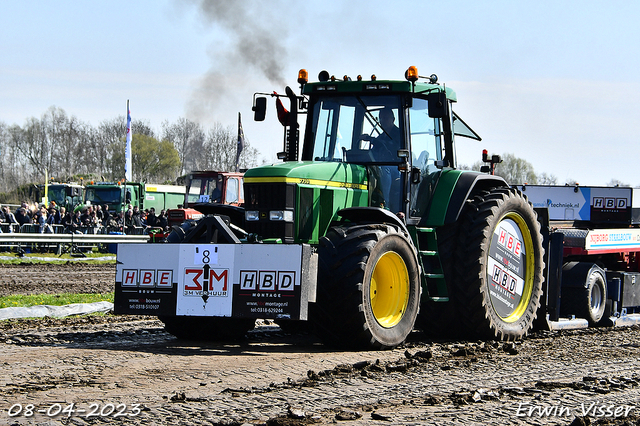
{"x": 240, "y": 143}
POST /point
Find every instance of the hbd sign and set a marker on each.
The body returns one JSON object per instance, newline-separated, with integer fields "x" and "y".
{"x": 609, "y": 203}
{"x": 206, "y": 281}
{"x": 267, "y": 280}
{"x": 504, "y": 279}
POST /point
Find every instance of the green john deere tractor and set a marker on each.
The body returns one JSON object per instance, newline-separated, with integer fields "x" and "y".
{"x": 402, "y": 237}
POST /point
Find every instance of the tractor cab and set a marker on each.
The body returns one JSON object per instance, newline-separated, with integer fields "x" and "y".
{"x": 379, "y": 132}
{"x": 377, "y": 144}
{"x": 401, "y": 131}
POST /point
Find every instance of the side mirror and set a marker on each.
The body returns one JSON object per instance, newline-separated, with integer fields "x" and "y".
{"x": 403, "y": 153}
{"x": 438, "y": 104}
{"x": 415, "y": 175}
{"x": 260, "y": 109}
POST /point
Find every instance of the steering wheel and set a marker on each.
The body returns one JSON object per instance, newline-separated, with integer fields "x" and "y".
{"x": 382, "y": 148}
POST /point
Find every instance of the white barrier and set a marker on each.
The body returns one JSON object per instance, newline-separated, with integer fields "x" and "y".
{"x": 31, "y": 238}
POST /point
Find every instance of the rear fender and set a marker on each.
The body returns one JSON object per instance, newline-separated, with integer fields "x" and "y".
{"x": 453, "y": 189}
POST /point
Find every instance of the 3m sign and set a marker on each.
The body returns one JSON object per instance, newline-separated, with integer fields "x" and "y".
{"x": 206, "y": 281}
{"x": 159, "y": 278}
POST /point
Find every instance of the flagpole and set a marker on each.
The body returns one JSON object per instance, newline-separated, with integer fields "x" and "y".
{"x": 126, "y": 148}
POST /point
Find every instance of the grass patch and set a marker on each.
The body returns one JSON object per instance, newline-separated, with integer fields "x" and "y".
{"x": 19, "y": 300}
{"x": 52, "y": 258}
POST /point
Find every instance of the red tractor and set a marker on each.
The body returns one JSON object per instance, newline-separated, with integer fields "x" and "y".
{"x": 205, "y": 189}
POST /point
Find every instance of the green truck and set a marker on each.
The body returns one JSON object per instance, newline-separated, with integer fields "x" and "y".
{"x": 67, "y": 195}
{"x": 118, "y": 195}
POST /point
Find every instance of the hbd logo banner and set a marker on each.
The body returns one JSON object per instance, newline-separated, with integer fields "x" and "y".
{"x": 267, "y": 280}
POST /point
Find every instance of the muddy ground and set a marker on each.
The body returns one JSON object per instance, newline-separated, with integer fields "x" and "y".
{"x": 127, "y": 370}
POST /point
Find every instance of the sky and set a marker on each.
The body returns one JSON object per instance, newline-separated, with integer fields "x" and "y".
{"x": 553, "y": 82}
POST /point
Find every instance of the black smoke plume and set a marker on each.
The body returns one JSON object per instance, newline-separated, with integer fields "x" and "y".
{"x": 256, "y": 44}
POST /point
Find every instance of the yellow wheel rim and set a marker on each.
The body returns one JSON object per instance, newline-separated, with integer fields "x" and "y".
{"x": 529, "y": 268}
{"x": 389, "y": 289}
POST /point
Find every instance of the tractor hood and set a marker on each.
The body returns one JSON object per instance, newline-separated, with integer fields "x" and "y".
{"x": 316, "y": 173}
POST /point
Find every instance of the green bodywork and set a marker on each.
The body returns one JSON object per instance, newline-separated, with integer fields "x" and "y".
{"x": 436, "y": 203}
{"x": 348, "y": 174}
{"x": 321, "y": 189}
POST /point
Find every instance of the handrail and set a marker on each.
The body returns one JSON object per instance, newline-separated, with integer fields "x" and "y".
{"x": 35, "y": 238}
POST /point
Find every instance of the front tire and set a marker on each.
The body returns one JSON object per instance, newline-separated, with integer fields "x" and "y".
{"x": 499, "y": 274}
{"x": 368, "y": 287}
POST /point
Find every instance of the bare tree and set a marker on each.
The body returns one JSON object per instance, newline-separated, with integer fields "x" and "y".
{"x": 214, "y": 149}
{"x": 188, "y": 137}
{"x": 53, "y": 143}
{"x": 32, "y": 142}
{"x": 516, "y": 170}
{"x": 617, "y": 182}
{"x": 547, "y": 179}
{"x": 110, "y": 138}
{"x": 70, "y": 154}
{"x": 20, "y": 162}
{"x": 221, "y": 149}
{"x": 10, "y": 165}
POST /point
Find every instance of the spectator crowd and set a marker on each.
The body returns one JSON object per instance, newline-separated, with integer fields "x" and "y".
{"x": 86, "y": 219}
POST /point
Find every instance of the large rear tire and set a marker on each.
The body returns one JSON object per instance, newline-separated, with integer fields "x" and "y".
{"x": 368, "y": 287}
{"x": 499, "y": 266}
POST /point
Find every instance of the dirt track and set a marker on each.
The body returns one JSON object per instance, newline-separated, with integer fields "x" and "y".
{"x": 277, "y": 378}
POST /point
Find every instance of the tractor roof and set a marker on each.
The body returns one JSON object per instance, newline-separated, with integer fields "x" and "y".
{"x": 373, "y": 87}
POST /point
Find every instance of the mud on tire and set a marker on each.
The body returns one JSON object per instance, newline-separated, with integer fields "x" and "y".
{"x": 368, "y": 287}
{"x": 497, "y": 281}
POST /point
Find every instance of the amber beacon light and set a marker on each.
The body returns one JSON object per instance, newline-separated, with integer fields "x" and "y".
{"x": 303, "y": 76}
{"x": 412, "y": 74}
